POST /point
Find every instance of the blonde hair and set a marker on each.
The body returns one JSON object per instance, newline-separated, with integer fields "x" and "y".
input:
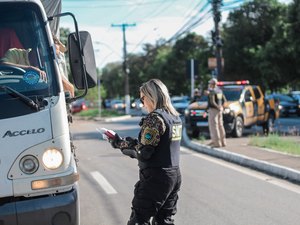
{"x": 158, "y": 94}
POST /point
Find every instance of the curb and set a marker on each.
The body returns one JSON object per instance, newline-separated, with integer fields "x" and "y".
{"x": 263, "y": 166}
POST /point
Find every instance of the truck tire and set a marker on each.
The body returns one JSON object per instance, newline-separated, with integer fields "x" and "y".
{"x": 238, "y": 127}
{"x": 268, "y": 126}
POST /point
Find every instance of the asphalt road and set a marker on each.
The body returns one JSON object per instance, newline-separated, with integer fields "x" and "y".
{"x": 214, "y": 192}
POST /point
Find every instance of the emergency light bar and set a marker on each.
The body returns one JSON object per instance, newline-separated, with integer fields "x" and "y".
{"x": 238, "y": 82}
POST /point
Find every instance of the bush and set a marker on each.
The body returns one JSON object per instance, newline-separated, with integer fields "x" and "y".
{"x": 104, "y": 113}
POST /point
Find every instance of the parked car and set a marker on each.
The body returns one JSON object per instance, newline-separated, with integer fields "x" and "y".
{"x": 137, "y": 104}
{"x": 78, "y": 106}
{"x": 287, "y": 105}
{"x": 180, "y": 103}
{"x": 106, "y": 103}
{"x": 296, "y": 95}
{"x": 117, "y": 104}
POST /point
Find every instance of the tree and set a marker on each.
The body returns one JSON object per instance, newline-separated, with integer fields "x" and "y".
{"x": 248, "y": 33}
{"x": 293, "y": 31}
{"x": 174, "y": 71}
{"x": 163, "y": 61}
{"x": 113, "y": 80}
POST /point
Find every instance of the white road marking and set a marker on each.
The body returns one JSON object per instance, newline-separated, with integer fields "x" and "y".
{"x": 104, "y": 184}
{"x": 259, "y": 175}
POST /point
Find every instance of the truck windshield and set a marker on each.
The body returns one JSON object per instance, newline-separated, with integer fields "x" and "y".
{"x": 232, "y": 94}
{"x": 26, "y": 59}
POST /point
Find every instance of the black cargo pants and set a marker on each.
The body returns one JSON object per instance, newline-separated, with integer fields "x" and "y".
{"x": 155, "y": 195}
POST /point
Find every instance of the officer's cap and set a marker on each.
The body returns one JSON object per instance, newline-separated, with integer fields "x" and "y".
{"x": 213, "y": 81}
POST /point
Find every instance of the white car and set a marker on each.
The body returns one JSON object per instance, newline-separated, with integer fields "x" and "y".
{"x": 117, "y": 104}
{"x": 137, "y": 104}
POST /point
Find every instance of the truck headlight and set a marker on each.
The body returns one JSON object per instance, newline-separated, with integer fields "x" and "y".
{"x": 52, "y": 158}
{"x": 29, "y": 164}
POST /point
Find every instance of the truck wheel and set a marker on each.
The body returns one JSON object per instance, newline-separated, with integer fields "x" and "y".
{"x": 268, "y": 126}
{"x": 238, "y": 127}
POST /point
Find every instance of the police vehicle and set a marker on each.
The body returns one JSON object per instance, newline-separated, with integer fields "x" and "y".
{"x": 246, "y": 106}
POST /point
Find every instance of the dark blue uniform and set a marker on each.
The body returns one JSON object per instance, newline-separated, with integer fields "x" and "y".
{"x": 158, "y": 150}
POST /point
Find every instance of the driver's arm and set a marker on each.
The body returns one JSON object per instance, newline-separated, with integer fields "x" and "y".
{"x": 19, "y": 58}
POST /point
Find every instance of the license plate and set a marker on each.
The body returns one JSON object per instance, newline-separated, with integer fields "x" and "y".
{"x": 201, "y": 113}
{"x": 292, "y": 110}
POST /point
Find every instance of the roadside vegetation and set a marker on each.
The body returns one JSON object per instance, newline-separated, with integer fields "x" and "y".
{"x": 91, "y": 113}
{"x": 277, "y": 143}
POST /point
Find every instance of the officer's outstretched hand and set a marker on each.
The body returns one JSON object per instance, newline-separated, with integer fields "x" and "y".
{"x": 131, "y": 142}
{"x": 116, "y": 141}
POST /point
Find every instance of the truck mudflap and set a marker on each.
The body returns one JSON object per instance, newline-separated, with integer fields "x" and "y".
{"x": 56, "y": 209}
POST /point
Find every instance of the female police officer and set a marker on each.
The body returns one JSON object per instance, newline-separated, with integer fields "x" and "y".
{"x": 157, "y": 150}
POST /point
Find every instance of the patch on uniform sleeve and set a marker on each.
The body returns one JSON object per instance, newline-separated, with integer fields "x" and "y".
{"x": 150, "y": 136}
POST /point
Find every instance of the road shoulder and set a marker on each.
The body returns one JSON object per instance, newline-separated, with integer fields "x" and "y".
{"x": 273, "y": 163}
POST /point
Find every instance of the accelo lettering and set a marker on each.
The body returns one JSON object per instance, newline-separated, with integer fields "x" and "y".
{"x": 23, "y": 132}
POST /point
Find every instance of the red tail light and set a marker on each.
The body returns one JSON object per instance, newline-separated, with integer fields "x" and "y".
{"x": 84, "y": 107}
{"x": 238, "y": 82}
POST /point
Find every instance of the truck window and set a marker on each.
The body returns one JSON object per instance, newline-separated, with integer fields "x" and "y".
{"x": 256, "y": 93}
{"x": 26, "y": 63}
{"x": 247, "y": 96}
{"x": 232, "y": 94}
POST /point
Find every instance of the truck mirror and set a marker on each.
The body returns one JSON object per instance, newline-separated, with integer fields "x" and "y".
{"x": 77, "y": 60}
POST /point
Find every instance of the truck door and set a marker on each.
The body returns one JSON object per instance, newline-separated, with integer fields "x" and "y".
{"x": 259, "y": 103}
{"x": 249, "y": 115}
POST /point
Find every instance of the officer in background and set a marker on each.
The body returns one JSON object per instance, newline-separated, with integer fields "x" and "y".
{"x": 197, "y": 96}
{"x": 216, "y": 100}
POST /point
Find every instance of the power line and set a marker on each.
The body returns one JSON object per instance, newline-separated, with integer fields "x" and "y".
{"x": 191, "y": 23}
{"x": 162, "y": 9}
{"x": 116, "y": 5}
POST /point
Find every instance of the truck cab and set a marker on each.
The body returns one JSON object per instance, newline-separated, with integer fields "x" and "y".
{"x": 38, "y": 172}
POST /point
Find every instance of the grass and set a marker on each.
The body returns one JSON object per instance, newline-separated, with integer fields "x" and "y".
{"x": 277, "y": 143}
{"x": 104, "y": 113}
{"x": 202, "y": 139}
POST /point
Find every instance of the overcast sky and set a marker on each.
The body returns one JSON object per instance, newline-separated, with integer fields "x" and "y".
{"x": 151, "y": 20}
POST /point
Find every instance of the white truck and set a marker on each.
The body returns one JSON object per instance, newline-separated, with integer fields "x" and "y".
{"x": 38, "y": 172}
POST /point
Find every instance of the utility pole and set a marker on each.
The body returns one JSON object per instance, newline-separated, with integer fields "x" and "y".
{"x": 125, "y": 67}
{"x": 216, "y": 5}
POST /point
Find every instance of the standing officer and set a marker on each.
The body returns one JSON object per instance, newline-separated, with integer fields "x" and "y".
{"x": 157, "y": 150}
{"x": 197, "y": 96}
{"x": 216, "y": 100}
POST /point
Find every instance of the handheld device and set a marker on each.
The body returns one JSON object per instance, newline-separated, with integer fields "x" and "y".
{"x": 108, "y": 133}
